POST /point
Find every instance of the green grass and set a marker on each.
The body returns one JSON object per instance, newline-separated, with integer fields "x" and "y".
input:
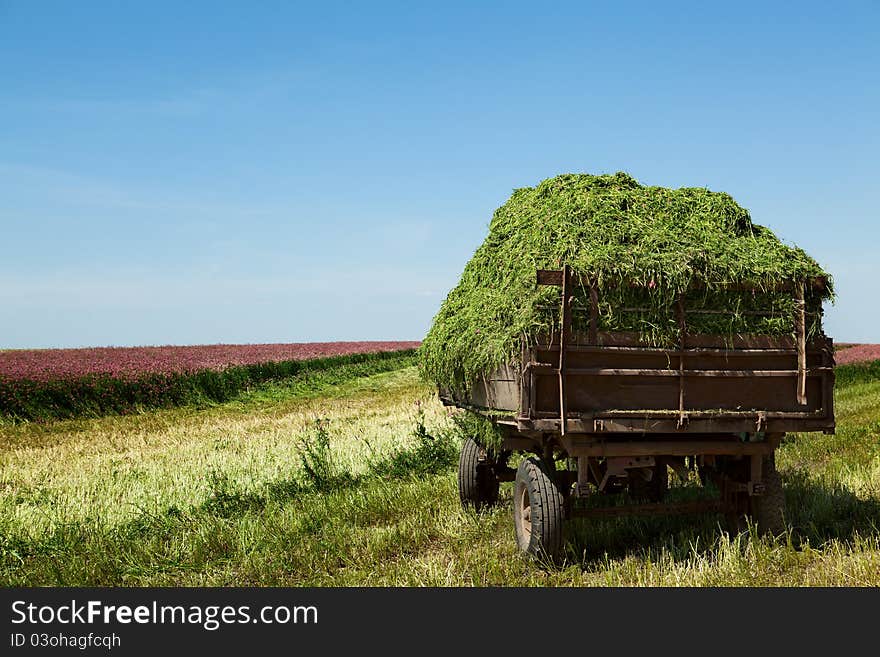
{"x": 354, "y": 484}
{"x": 857, "y": 373}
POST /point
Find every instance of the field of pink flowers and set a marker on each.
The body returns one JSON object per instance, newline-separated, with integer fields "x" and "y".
{"x": 859, "y": 353}
{"x": 44, "y": 384}
{"x": 133, "y": 362}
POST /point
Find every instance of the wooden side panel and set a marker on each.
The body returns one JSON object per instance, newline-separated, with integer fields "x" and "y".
{"x": 499, "y": 391}
{"x": 637, "y": 389}
{"x": 764, "y": 383}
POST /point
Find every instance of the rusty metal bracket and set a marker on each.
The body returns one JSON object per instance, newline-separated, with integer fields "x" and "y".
{"x": 583, "y": 476}
{"x": 761, "y": 422}
{"x": 617, "y": 466}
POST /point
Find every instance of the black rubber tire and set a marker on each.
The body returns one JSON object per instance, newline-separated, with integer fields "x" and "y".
{"x": 477, "y": 484}
{"x": 768, "y": 510}
{"x": 538, "y": 511}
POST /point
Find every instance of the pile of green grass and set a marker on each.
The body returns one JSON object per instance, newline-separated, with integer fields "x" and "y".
{"x": 619, "y": 233}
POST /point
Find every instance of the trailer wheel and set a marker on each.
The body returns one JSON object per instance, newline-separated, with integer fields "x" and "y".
{"x": 538, "y": 511}
{"x": 768, "y": 510}
{"x": 477, "y": 483}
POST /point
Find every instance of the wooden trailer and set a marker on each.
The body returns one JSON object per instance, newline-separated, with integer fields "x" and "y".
{"x": 626, "y": 414}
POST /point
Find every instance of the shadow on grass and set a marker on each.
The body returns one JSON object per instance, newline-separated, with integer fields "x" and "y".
{"x": 819, "y": 512}
{"x": 815, "y": 512}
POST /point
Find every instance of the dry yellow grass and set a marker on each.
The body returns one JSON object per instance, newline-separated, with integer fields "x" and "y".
{"x": 112, "y": 469}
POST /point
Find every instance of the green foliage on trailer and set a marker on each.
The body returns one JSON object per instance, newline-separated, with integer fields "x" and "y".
{"x": 618, "y": 232}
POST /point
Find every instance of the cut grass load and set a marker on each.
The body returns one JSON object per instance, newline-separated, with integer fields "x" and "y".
{"x": 613, "y": 230}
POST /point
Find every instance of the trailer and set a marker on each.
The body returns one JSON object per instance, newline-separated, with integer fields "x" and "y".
{"x": 602, "y": 413}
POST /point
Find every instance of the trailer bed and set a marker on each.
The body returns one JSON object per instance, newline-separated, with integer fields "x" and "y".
{"x": 616, "y": 386}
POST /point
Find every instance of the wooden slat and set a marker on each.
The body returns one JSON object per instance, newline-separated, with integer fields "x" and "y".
{"x": 525, "y": 374}
{"x": 633, "y": 339}
{"x": 664, "y": 447}
{"x": 701, "y": 311}
{"x": 594, "y": 314}
{"x": 690, "y": 311}
{"x": 533, "y": 394}
{"x": 682, "y": 348}
{"x": 645, "y": 426}
{"x": 695, "y": 351}
{"x": 720, "y": 413}
{"x": 800, "y": 331}
{"x": 565, "y": 330}
{"x": 817, "y": 284}
{"x": 667, "y": 413}
{"x": 576, "y": 308}
{"x": 644, "y": 371}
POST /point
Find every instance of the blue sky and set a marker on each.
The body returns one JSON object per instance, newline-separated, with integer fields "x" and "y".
{"x": 185, "y": 173}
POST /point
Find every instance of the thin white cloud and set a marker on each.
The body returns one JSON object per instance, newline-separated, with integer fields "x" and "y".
{"x": 65, "y": 187}
{"x": 146, "y": 289}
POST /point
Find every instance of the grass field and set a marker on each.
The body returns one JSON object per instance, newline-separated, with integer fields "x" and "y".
{"x": 349, "y": 479}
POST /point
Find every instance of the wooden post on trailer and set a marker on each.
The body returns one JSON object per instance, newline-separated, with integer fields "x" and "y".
{"x": 564, "y": 332}
{"x": 594, "y": 313}
{"x": 800, "y": 325}
{"x": 682, "y": 330}
{"x": 526, "y": 404}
